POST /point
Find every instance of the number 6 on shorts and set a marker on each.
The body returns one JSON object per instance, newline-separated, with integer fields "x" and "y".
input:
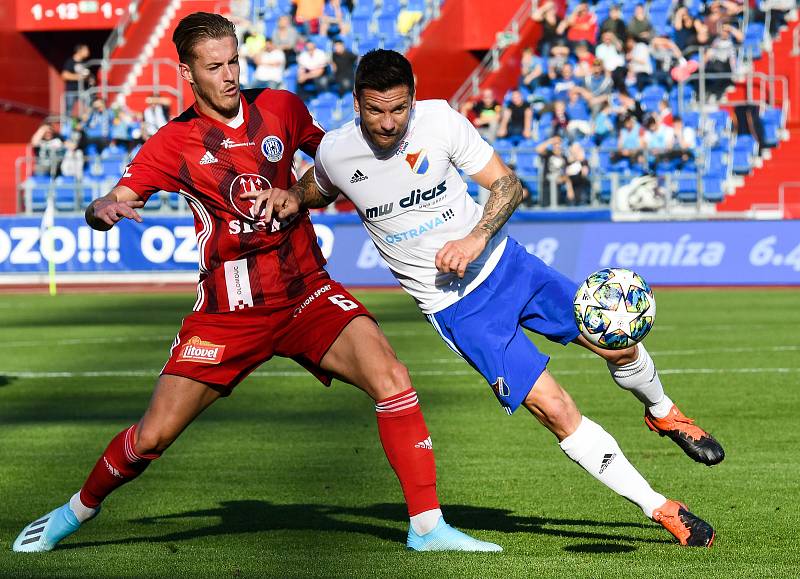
{"x": 343, "y": 302}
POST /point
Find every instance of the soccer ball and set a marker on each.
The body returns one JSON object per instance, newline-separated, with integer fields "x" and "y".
{"x": 614, "y": 308}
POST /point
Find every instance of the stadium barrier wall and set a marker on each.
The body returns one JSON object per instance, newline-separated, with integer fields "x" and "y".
{"x": 665, "y": 253}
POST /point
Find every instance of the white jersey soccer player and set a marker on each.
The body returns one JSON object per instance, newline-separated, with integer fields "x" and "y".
{"x": 398, "y": 163}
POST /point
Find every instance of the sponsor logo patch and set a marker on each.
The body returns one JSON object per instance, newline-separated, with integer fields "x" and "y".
{"x": 198, "y": 350}
{"x": 231, "y": 144}
{"x": 272, "y": 148}
{"x": 358, "y": 176}
{"x": 208, "y": 159}
{"x": 418, "y": 161}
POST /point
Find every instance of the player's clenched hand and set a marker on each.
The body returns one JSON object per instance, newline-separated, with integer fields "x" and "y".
{"x": 108, "y": 212}
{"x": 278, "y": 202}
{"x": 456, "y": 255}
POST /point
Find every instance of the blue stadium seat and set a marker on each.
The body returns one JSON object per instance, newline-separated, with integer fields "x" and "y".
{"x": 367, "y": 44}
{"x": 526, "y": 161}
{"x": 742, "y": 161}
{"x": 712, "y": 189}
{"x": 473, "y": 189}
{"x": 174, "y": 200}
{"x": 686, "y": 187}
{"x": 416, "y": 5}
{"x": 387, "y": 24}
{"x": 360, "y": 25}
{"x": 66, "y": 193}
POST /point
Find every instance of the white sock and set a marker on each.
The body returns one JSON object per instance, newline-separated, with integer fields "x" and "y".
{"x": 82, "y": 512}
{"x": 599, "y": 454}
{"x": 425, "y": 521}
{"x": 640, "y": 377}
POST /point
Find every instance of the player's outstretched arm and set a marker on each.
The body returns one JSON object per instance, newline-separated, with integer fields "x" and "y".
{"x": 504, "y": 197}
{"x": 120, "y": 203}
{"x": 283, "y": 203}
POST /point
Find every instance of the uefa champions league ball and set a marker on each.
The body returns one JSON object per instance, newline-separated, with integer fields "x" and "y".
{"x": 614, "y": 308}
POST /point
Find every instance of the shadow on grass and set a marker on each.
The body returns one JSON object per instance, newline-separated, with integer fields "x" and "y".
{"x": 593, "y": 548}
{"x": 238, "y": 517}
{"x": 6, "y": 380}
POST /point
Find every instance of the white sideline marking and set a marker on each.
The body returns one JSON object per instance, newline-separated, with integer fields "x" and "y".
{"x": 88, "y": 340}
{"x": 465, "y": 372}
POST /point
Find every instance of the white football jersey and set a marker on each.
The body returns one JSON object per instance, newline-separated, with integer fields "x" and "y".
{"x": 412, "y": 201}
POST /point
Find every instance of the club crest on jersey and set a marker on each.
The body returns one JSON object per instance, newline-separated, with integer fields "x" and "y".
{"x": 418, "y": 161}
{"x": 272, "y": 147}
{"x": 246, "y": 183}
{"x": 198, "y": 350}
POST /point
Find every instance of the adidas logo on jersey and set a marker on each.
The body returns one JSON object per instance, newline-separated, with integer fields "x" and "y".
{"x": 208, "y": 158}
{"x": 358, "y": 176}
{"x": 426, "y": 444}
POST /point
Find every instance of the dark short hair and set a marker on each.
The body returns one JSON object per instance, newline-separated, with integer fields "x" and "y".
{"x": 197, "y": 27}
{"x": 381, "y": 70}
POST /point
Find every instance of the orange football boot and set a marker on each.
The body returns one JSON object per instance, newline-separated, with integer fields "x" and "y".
{"x": 688, "y": 528}
{"x": 693, "y": 440}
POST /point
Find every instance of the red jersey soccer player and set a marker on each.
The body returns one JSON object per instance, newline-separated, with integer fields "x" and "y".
{"x": 262, "y": 290}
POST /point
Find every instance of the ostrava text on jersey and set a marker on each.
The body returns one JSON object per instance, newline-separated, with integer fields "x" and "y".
{"x": 244, "y": 262}
{"x": 412, "y": 200}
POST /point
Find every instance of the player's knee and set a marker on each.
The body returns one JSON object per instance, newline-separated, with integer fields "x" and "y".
{"x": 621, "y": 357}
{"x": 394, "y": 379}
{"x": 149, "y": 441}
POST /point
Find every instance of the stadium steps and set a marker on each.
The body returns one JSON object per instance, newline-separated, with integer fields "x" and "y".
{"x": 761, "y": 188}
{"x": 134, "y": 40}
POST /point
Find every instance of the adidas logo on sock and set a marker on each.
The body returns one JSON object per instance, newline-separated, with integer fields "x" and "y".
{"x": 426, "y": 444}
{"x": 208, "y": 158}
{"x": 606, "y": 461}
{"x": 358, "y": 176}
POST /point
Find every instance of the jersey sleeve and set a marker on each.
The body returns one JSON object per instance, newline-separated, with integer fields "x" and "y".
{"x": 324, "y": 182}
{"x": 468, "y": 151}
{"x": 153, "y": 169}
{"x": 308, "y": 133}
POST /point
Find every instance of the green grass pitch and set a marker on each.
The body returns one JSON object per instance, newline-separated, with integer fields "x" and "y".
{"x": 287, "y": 478}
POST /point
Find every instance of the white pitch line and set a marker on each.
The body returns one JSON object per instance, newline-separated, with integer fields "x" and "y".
{"x": 464, "y": 372}
{"x": 88, "y": 340}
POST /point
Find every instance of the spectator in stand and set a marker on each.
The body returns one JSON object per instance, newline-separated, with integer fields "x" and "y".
{"x": 584, "y": 59}
{"x": 312, "y": 71}
{"x": 76, "y": 76}
{"x": 683, "y": 143}
{"x": 564, "y": 83}
{"x": 515, "y": 119}
{"x": 602, "y": 124}
{"x": 664, "y": 113}
{"x": 554, "y": 164}
{"x": 531, "y": 70}
{"x": 611, "y": 53}
{"x": 485, "y": 114}
{"x": 667, "y": 56}
{"x": 156, "y": 115}
{"x": 122, "y": 127}
{"x": 73, "y": 161}
{"x": 270, "y": 65}
{"x": 334, "y": 25}
{"x": 578, "y": 185}
{"x": 598, "y": 85}
{"x": 343, "y": 63}
{"x": 623, "y": 104}
{"x": 307, "y": 15}
{"x": 546, "y": 14}
{"x": 97, "y": 126}
{"x": 560, "y": 120}
{"x": 658, "y": 141}
{"x": 629, "y": 144}
{"x": 285, "y": 37}
{"x": 640, "y": 65}
{"x": 689, "y": 32}
{"x": 579, "y": 125}
{"x": 614, "y": 23}
{"x": 640, "y": 27}
{"x": 559, "y": 56}
{"x": 48, "y": 149}
{"x": 716, "y": 17}
{"x": 253, "y": 44}
{"x": 580, "y": 26}
{"x": 721, "y": 59}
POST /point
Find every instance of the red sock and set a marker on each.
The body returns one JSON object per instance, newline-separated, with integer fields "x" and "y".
{"x": 407, "y": 444}
{"x": 118, "y": 465}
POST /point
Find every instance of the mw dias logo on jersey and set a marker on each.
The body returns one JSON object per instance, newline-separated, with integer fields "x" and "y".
{"x": 198, "y": 350}
{"x": 417, "y": 198}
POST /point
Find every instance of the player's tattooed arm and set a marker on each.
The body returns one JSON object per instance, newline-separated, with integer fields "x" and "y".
{"x": 308, "y": 192}
{"x": 505, "y": 196}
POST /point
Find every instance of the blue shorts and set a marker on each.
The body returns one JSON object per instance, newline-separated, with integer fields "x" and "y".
{"x": 485, "y": 326}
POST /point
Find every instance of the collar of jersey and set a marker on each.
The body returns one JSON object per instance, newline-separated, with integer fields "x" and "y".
{"x": 222, "y": 125}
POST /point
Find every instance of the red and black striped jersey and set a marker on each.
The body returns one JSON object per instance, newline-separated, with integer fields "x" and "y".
{"x": 244, "y": 261}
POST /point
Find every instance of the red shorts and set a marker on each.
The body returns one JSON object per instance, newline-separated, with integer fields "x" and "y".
{"x": 222, "y": 349}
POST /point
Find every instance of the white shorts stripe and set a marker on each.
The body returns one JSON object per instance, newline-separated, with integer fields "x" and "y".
{"x": 447, "y": 341}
